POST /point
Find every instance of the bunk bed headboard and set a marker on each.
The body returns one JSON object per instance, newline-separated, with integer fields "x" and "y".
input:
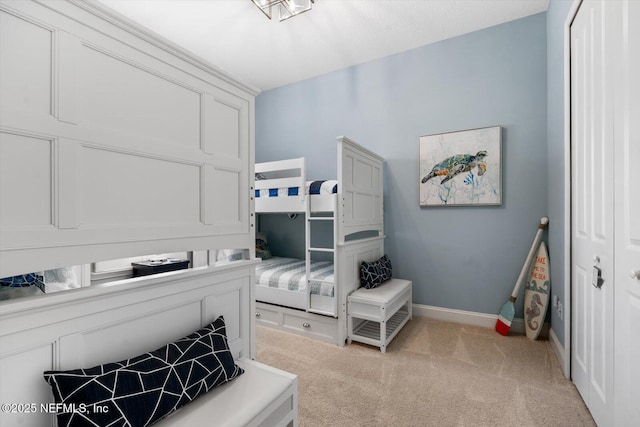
{"x": 360, "y": 176}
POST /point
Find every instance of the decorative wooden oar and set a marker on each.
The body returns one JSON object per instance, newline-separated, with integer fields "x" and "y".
{"x": 509, "y": 309}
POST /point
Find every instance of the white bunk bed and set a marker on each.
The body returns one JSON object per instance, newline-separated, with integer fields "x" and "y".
{"x": 117, "y": 143}
{"x": 316, "y": 305}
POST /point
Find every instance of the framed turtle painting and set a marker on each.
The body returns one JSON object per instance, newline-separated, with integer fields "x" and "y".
{"x": 461, "y": 168}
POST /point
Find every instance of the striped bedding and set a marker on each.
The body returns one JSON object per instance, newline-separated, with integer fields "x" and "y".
{"x": 289, "y": 273}
{"x": 312, "y": 187}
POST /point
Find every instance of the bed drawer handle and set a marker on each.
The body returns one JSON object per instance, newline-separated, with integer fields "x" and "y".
{"x": 257, "y": 314}
{"x": 306, "y": 325}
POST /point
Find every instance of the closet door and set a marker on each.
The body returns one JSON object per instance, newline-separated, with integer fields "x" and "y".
{"x": 592, "y": 209}
{"x": 627, "y": 159}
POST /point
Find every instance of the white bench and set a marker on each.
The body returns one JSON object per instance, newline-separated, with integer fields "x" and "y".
{"x": 262, "y": 396}
{"x": 375, "y": 316}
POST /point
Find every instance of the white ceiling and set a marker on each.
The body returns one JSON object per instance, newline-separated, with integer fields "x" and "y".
{"x": 235, "y": 36}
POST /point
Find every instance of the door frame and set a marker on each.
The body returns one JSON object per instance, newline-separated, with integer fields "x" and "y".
{"x": 566, "y": 362}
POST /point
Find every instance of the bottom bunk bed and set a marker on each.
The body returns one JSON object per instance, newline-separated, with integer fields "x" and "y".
{"x": 283, "y": 281}
{"x": 285, "y": 302}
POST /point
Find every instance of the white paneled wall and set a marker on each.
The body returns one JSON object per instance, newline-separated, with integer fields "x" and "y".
{"x": 123, "y": 145}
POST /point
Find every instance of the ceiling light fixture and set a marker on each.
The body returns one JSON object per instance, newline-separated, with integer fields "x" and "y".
{"x": 288, "y": 8}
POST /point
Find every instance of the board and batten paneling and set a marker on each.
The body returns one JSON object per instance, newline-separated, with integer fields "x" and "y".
{"x": 114, "y": 142}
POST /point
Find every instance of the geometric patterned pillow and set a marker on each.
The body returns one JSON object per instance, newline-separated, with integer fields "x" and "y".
{"x": 374, "y": 273}
{"x": 139, "y": 391}
{"x": 24, "y": 280}
{"x": 385, "y": 264}
{"x": 370, "y": 274}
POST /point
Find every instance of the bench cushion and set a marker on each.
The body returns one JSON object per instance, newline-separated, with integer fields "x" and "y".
{"x": 246, "y": 401}
{"x": 384, "y": 293}
{"x": 139, "y": 391}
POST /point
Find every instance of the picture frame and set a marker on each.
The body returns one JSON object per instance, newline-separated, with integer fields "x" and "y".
{"x": 461, "y": 168}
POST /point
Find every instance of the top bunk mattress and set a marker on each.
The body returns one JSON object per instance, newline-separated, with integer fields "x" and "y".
{"x": 323, "y": 187}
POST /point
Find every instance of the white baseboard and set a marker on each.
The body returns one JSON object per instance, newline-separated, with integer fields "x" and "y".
{"x": 471, "y": 318}
{"x": 559, "y": 351}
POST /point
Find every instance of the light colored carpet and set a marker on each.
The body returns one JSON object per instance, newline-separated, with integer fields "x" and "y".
{"x": 434, "y": 374}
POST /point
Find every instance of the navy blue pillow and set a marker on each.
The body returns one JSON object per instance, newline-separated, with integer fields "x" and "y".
{"x": 139, "y": 391}
{"x": 374, "y": 273}
{"x": 385, "y": 264}
{"x": 23, "y": 281}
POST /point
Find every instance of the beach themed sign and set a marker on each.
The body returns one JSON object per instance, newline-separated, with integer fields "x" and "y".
{"x": 536, "y": 293}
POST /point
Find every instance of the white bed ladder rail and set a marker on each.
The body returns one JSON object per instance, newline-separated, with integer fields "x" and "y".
{"x": 309, "y": 220}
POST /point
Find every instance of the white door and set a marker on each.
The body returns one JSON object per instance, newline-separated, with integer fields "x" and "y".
{"x": 592, "y": 225}
{"x": 627, "y": 221}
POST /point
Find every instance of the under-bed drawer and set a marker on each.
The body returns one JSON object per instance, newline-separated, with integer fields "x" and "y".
{"x": 312, "y": 325}
{"x": 317, "y": 327}
{"x": 264, "y": 315}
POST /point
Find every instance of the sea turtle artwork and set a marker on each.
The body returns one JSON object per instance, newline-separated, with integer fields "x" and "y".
{"x": 462, "y": 168}
{"x": 452, "y": 166}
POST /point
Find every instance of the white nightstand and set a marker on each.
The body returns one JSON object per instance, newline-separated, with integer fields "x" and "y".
{"x": 375, "y": 316}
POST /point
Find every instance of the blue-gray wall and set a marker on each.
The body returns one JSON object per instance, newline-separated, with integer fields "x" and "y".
{"x": 465, "y": 258}
{"x": 556, "y": 17}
